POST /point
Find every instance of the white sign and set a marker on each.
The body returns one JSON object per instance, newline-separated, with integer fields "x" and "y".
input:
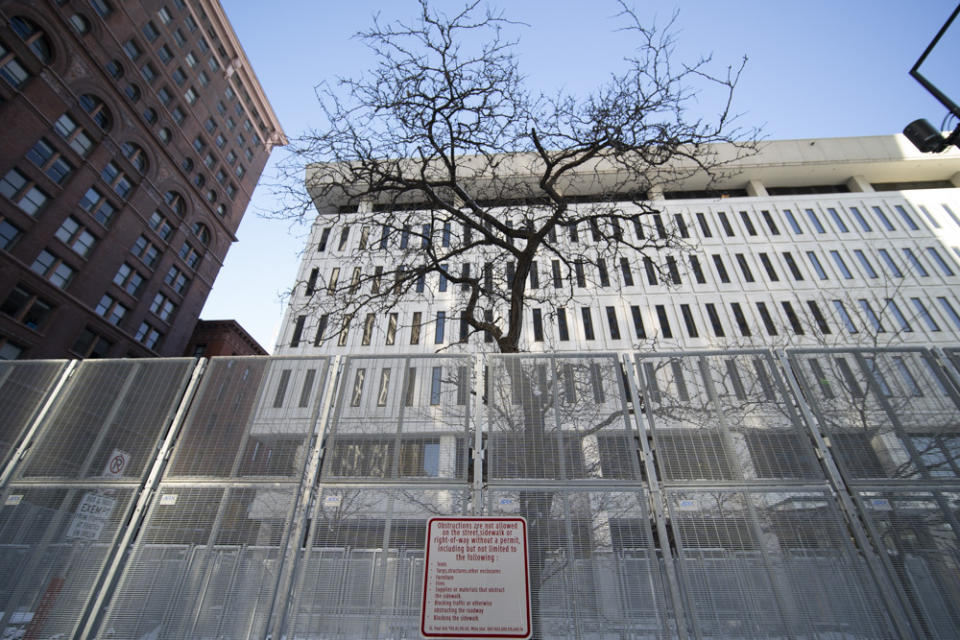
{"x": 476, "y": 581}
{"x": 116, "y": 464}
{"x": 168, "y": 499}
{"x": 13, "y": 499}
{"x": 91, "y": 516}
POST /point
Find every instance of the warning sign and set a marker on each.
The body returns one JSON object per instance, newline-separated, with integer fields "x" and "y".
{"x": 116, "y": 464}
{"x": 475, "y": 582}
{"x": 91, "y": 516}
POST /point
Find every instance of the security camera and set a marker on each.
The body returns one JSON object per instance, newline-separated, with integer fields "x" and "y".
{"x": 925, "y": 136}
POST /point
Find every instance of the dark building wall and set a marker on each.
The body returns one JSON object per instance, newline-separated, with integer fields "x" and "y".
{"x": 166, "y": 135}
{"x": 222, "y": 338}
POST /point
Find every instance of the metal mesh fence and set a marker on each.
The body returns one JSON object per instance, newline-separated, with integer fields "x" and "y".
{"x": 360, "y": 569}
{"x": 711, "y": 501}
{"x": 108, "y": 420}
{"x": 402, "y": 419}
{"x": 23, "y": 388}
{"x": 208, "y": 559}
{"x": 889, "y": 414}
{"x": 595, "y": 565}
{"x": 776, "y": 563}
{"x": 558, "y": 418}
{"x": 724, "y": 417}
{"x": 918, "y": 533}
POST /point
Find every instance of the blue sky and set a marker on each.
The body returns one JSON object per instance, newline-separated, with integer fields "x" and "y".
{"x": 816, "y": 69}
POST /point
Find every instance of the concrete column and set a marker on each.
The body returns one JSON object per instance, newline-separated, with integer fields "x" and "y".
{"x": 755, "y": 188}
{"x": 955, "y": 179}
{"x": 655, "y": 192}
{"x": 859, "y": 184}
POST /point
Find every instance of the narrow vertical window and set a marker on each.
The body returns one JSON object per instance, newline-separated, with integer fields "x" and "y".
{"x": 721, "y": 268}
{"x": 792, "y": 266}
{"x": 949, "y": 310}
{"x": 307, "y": 389}
{"x": 581, "y": 278}
{"x": 771, "y": 225}
{"x": 815, "y": 221}
{"x": 392, "y": 328}
{"x": 587, "y": 323}
{"x": 357, "y": 394}
{"x": 862, "y": 221}
{"x": 748, "y": 223}
{"x": 658, "y": 223}
{"x": 744, "y": 267}
{"x": 415, "y": 328}
{"x": 907, "y": 218}
{"x": 312, "y": 280}
{"x": 792, "y": 318}
{"x": 297, "y": 331}
{"x": 915, "y": 262}
{"x": 557, "y": 278}
{"x": 344, "y": 332}
{"x": 767, "y": 319}
{"x": 321, "y": 329}
{"x": 436, "y": 379}
{"x": 638, "y": 327}
{"x": 602, "y": 272}
{"x": 725, "y": 223}
{"x": 281, "y": 389}
{"x": 627, "y": 273}
{"x": 924, "y": 314}
{"x": 612, "y": 322}
{"x": 681, "y": 225}
{"x": 891, "y": 265}
{"x": 562, "y": 330}
{"x": 664, "y": 321}
{"x": 384, "y": 390}
{"x": 841, "y": 265}
{"x": 898, "y": 315}
{"x": 534, "y": 276}
{"x": 845, "y": 317}
{"x": 714, "y": 320}
{"x": 768, "y": 267}
{"x": 837, "y": 220}
{"x": 815, "y": 263}
{"x": 464, "y": 327}
{"x": 367, "y": 329}
{"x": 881, "y": 214}
{"x": 867, "y": 309}
{"x": 939, "y": 261}
{"x": 697, "y": 270}
{"x": 488, "y": 318}
{"x": 673, "y": 270}
{"x": 537, "y": 325}
{"x": 865, "y": 263}
{"x": 741, "y": 319}
{"x": 818, "y": 317}
{"x": 688, "y": 321}
{"x": 410, "y": 392}
{"x": 650, "y": 269}
{"x": 797, "y": 229}
{"x": 441, "y": 323}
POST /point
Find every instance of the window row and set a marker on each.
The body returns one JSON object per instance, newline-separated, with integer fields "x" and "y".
{"x": 696, "y": 320}
{"x": 805, "y": 221}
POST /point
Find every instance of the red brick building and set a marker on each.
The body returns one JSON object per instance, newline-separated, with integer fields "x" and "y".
{"x": 222, "y": 338}
{"x": 134, "y": 134}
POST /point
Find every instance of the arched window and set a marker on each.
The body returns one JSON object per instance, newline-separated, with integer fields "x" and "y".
{"x": 199, "y": 180}
{"x": 187, "y": 165}
{"x": 202, "y": 233}
{"x": 212, "y": 196}
{"x": 175, "y": 202}
{"x": 34, "y": 37}
{"x": 133, "y": 92}
{"x": 150, "y": 115}
{"x": 97, "y": 110}
{"x": 81, "y": 24}
{"x": 221, "y": 209}
{"x": 164, "y": 135}
{"x": 136, "y": 155}
{"x": 115, "y": 69}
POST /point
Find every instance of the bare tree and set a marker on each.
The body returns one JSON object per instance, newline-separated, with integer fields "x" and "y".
{"x": 456, "y": 175}
{"x": 450, "y": 167}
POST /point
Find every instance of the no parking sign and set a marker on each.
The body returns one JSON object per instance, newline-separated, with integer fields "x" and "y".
{"x": 116, "y": 464}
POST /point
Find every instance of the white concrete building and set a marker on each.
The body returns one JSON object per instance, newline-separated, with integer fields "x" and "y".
{"x": 819, "y": 242}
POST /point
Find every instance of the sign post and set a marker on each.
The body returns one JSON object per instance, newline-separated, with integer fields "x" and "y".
{"x": 476, "y": 582}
